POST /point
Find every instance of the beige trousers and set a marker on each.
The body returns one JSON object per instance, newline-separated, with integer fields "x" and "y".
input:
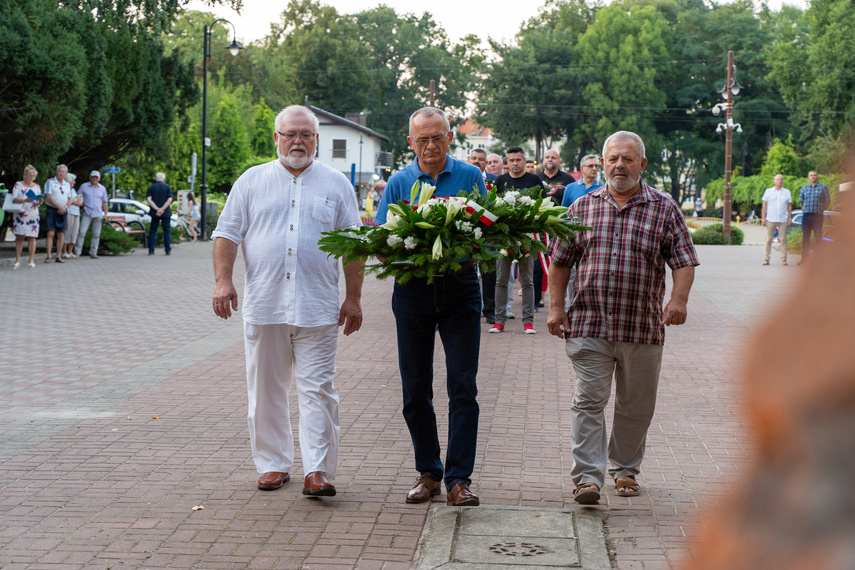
{"x": 635, "y": 369}
{"x": 770, "y": 235}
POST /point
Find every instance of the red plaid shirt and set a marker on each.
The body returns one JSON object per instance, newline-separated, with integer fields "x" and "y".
{"x": 620, "y": 281}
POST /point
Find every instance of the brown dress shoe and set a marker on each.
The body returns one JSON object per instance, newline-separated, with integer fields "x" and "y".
{"x": 272, "y": 480}
{"x": 316, "y": 485}
{"x": 461, "y": 496}
{"x": 423, "y": 490}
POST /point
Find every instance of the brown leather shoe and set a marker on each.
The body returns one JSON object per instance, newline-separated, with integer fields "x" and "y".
{"x": 272, "y": 480}
{"x": 424, "y": 489}
{"x": 316, "y": 485}
{"x": 461, "y": 496}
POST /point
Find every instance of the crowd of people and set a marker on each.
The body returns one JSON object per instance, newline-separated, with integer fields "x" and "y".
{"x": 69, "y": 213}
{"x": 613, "y": 324}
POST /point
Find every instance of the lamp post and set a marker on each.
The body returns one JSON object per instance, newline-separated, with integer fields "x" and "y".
{"x": 731, "y": 88}
{"x": 234, "y": 48}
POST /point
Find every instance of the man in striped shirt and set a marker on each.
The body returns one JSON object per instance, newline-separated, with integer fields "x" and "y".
{"x": 616, "y": 323}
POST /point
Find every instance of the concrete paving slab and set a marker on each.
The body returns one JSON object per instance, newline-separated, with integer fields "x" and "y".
{"x": 494, "y": 536}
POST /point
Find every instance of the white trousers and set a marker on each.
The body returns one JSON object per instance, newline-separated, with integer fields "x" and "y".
{"x": 275, "y": 353}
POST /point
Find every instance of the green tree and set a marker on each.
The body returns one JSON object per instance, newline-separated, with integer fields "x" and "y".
{"x": 782, "y": 159}
{"x": 322, "y": 55}
{"x": 229, "y": 145}
{"x": 812, "y": 64}
{"x": 262, "y": 130}
{"x": 533, "y": 91}
{"x": 84, "y": 86}
{"x": 626, "y": 55}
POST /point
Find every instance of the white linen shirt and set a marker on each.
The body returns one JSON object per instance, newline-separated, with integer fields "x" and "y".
{"x": 776, "y": 207}
{"x": 277, "y": 219}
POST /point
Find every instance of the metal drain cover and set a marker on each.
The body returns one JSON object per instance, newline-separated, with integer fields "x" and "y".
{"x": 518, "y": 549}
{"x": 490, "y": 537}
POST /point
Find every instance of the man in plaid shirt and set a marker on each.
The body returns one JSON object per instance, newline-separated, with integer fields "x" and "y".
{"x": 815, "y": 200}
{"x": 616, "y": 324}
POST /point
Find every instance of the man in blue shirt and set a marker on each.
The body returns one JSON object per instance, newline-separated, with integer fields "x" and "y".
{"x": 815, "y": 200}
{"x": 587, "y": 184}
{"x": 452, "y": 305}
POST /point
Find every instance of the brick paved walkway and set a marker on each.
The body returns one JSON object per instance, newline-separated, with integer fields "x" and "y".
{"x": 122, "y": 406}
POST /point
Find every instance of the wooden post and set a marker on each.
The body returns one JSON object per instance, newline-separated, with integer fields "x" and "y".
{"x": 432, "y": 91}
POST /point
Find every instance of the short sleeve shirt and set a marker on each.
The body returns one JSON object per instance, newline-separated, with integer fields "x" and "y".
{"x": 61, "y": 192}
{"x": 93, "y": 199}
{"x": 620, "y": 280}
{"x": 277, "y": 219}
{"x": 776, "y": 204}
{"x": 456, "y": 176}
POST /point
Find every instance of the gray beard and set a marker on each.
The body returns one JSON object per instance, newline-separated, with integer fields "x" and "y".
{"x": 623, "y": 187}
{"x": 294, "y": 162}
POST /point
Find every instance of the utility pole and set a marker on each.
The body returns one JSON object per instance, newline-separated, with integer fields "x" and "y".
{"x": 432, "y": 91}
{"x": 728, "y": 150}
{"x": 730, "y": 89}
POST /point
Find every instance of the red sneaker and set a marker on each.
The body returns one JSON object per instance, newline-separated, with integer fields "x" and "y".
{"x": 497, "y": 328}
{"x": 529, "y": 328}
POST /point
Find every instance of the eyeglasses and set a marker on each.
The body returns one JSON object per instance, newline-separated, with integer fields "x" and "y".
{"x": 435, "y": 140}
{"x": 590, "y": 166}
{"x": 293, "y": 136}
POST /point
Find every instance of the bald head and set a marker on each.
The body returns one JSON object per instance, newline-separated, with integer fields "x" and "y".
{"x": 494, "y": 164}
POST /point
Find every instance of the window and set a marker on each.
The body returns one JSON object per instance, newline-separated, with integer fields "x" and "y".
{"x": 339, "y": 148}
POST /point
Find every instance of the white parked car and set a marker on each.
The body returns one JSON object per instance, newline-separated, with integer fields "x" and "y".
{"x": 135, "y": 211}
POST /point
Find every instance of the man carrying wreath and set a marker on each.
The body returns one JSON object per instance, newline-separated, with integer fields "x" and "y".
{"x": 450, "y": 304}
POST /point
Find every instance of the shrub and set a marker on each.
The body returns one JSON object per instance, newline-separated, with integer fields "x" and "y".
{"x": 794, "y": 241}
{"x": 112, "y": 241}
{"x": 176, "y": 234}
{"x": 711, "y": 235}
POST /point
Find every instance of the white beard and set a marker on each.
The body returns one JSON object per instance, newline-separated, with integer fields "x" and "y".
{"x": 294, "y": 161}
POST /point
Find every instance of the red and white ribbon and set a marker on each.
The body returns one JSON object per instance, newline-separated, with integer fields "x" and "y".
{"x": 486, "y": 217}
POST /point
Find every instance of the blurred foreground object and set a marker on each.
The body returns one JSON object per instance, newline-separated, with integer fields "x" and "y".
{"x": 794, "y": 506}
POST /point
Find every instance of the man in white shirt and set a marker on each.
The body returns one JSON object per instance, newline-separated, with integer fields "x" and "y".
{"x": 777, "y": 211}
{"x": 276, "y": 213}
{"x": 57, "y": 198}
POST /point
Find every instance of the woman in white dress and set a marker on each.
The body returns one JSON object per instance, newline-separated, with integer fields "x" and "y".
{"x": 26, "y": 222}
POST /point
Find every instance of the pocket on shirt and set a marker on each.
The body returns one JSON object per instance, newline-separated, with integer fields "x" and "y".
{"x": 252, "y": 332}
{"x": 323, "y": 210}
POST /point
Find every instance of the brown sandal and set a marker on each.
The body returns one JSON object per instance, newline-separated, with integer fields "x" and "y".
{"x": 587, "y": 494}
{"x": 629, "y": 486}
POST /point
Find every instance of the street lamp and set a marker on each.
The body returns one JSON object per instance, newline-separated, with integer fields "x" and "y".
{"x": 731, "y": 88}
{"x": 234, "y": 48}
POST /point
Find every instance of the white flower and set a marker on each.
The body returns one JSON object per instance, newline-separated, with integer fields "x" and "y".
{"x": 510, "y": 198}
{"x": 410, "y": 242}
{"x": 391, "y": 221}
{"x": 477, "y": 233}
{"x": 526, "y": 200}
{"x": 463, "y": 225}
{"x": 428, "y": 205}
{"x": 393, "y": 240}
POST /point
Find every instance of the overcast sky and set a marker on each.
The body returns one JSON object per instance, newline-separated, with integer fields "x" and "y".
{"x": 497, "y": 20}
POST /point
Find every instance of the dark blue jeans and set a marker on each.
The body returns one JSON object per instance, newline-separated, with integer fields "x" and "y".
{"x": 811, "y": 223}
{"x": 167, "y": 234}
{"x": 451, "y": 305}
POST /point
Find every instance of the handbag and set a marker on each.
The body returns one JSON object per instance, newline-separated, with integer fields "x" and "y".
{"x": 9, "y": 205}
